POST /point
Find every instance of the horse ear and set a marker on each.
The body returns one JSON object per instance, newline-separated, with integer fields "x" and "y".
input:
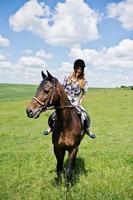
{"x": 43, "y": 75}
{"x": 51, "y": 78}
{"x": 49, "y": 75}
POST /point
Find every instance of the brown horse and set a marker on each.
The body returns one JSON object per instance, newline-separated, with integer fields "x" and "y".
{"x": 68, "y": 132}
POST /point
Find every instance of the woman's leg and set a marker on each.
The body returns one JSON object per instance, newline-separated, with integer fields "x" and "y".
{"x": 86, "y": 123}
{"x": 51, "y": 122}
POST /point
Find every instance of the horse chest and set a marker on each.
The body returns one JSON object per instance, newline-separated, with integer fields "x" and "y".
{"x": 65, "y": 139}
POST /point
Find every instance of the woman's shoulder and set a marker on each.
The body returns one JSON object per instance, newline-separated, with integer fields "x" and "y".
{"x": 67, "y": 79}
{"x": 70, "y": 77}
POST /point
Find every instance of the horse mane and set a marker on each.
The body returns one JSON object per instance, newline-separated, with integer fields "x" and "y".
{"x": 62, "y": 93}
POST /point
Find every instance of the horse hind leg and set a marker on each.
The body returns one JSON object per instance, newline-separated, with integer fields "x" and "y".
{"x": 71, "y": 164}
{"x": 59, "y": 153}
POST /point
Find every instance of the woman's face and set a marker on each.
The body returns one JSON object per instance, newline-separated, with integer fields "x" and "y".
{"x": 78, "y": 71}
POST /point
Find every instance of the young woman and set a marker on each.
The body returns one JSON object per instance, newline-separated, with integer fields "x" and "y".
{"x": 75, "y": 86}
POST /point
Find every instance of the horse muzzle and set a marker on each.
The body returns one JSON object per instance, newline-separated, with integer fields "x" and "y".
{"x": 33, "y": 113}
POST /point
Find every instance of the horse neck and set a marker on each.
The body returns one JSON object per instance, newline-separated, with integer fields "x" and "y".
{"x": 64, "y": 113}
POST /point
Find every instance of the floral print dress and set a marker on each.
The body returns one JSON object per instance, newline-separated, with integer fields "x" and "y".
{"x": 73, "y": 90}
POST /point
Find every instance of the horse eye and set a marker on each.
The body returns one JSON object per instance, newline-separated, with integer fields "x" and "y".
{"x": 46, "y": 91}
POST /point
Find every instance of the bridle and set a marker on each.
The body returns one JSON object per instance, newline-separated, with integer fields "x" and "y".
{"x": 41, "y": 103}
{"x": 44, "y": 106}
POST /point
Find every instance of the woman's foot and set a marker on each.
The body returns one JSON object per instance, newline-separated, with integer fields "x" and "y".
{"x": 91, "y": 135}
{"x": 47, "y": 131}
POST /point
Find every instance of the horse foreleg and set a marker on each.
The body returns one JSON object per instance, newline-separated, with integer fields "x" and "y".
{"x": 71, "y": 163}
{"x": 59, "y": 153}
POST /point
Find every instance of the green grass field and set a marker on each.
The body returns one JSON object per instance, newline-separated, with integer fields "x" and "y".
{"x": 104, "y": 165}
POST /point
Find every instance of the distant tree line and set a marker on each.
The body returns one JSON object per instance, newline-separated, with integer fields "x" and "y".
{"x": 128, "y": 87}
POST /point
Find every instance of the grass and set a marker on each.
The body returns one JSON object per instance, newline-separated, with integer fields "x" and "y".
{"x": 104, "y": 165}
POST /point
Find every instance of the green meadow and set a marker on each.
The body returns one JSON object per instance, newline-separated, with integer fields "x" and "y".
{"x": 104, "y": 168}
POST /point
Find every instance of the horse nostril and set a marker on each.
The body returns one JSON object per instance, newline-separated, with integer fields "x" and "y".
{"x": 29, "y": 112}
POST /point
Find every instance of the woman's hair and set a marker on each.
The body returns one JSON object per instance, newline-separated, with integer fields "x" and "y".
{"x": 80, "y": 79}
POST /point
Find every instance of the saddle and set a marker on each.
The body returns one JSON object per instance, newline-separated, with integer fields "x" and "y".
{"x": 83, "y": 115}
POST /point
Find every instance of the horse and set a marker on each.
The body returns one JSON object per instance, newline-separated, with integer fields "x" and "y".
{"x": 68, "y": 130}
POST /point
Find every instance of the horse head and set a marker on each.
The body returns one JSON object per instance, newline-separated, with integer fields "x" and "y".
{"x": 46, "y": 96}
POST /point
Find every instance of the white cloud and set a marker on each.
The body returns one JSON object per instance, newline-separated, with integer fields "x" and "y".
{"x": 69, "y": 23}
{"x": 43, "y": 55}
{"x": 30, "y": 61}
{"x": 97, "y": 78}
{"x": 2, "y": 57}
{"x": 64, "y": 70}
{"x": 106, "y": 79}
{"x": 28, "y": 17}
{"x": 26, "y": 69}
{"x": 28, "y": 52}
{"x": 31, "y": 65}
{"x": 4, "y": 41}
{"x": 119, "y": 56}
{"x": 65, "y": 67}
{"x": 123, "y": 12}
{"x": 34, "y": 60}
{"x": 108, "y": 67}
{"x": 6, "y": 67}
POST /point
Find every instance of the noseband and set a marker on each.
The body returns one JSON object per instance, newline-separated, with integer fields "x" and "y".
{"x": 41, "y": 103}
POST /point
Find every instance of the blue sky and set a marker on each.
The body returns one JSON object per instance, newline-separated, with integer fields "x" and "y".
{"x": 37, "y": 35}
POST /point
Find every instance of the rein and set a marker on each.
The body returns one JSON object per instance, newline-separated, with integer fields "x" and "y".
{"x": 60, "y": 107}
{"x": 52, "y": 108}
